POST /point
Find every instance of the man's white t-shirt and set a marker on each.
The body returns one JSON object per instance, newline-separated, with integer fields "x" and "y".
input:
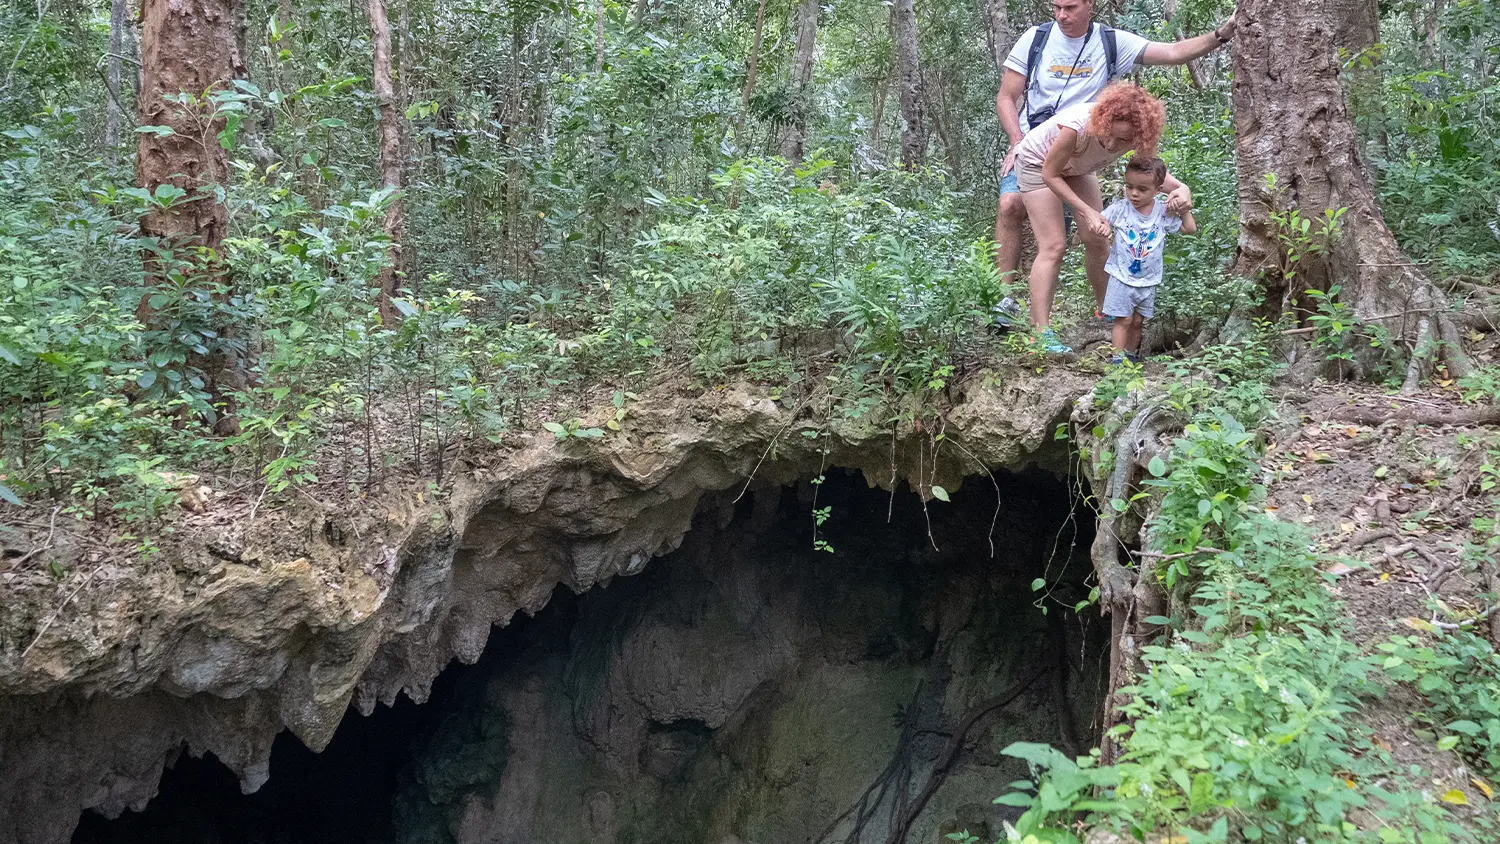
{"x": 1068, "y": 69}
{"x": 1136, "y": 257}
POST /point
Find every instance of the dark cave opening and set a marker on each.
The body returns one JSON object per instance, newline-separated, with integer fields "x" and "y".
{"x": 747, "y": 688}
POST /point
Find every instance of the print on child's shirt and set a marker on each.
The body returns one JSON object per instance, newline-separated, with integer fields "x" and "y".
{"x": 1138, "y": 245}
{"x": 1135, "y": 258}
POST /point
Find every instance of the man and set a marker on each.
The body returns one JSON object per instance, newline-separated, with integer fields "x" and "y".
{"x": 1072, "y": 67}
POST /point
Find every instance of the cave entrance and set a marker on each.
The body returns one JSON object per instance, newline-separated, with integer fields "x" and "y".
{"x": 748, "y": 688}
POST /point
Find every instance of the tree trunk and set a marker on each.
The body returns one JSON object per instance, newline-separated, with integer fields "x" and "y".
{"x": 187, "y": 47}
{"x": 119, "y": 21}
{"x": 598, "y": 40}
{"x": 948, "y": 130}
{"x": 999, "y": 36}
{"x": 908, "y": 83}
{"x": 1429, "y": 33}
{"x": 1361, "y": 44}
{"x": 1292, "y": 122}
{"x": 390, "y": 155}
{"x": 751, "y": 67}
{"x": 188, "y": 52}
{"x": 792, "y": 149}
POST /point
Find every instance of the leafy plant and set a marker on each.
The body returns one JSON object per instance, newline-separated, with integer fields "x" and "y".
{"x": 573, "y": 429}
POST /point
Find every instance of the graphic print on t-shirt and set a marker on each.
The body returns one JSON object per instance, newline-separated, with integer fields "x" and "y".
{"x": 1062, "y": 71}
{"x": 1138, "y": 246}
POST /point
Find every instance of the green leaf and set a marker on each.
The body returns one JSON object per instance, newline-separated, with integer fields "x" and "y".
{"x": 1157, "y": 467}
{"x": 145, "y": 380}
{"x": 1468, "y": 728}
{"x": 939, "y": 493}
{"x": 555, "y": 428}
{"x": 1447, "y": 742}
{"x": 1039, "y": 584}
{"x": 1202, "y": 793}
{"x": 9, "y": 497}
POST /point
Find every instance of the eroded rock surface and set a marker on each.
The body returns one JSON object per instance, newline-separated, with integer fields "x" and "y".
{"x": 236, "y": 632}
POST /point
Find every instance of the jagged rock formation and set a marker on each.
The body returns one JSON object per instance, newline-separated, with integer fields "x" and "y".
{"x": 229, "y": 636}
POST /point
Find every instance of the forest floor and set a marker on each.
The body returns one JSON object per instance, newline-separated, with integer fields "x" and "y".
{"x": 1393, "y": 507}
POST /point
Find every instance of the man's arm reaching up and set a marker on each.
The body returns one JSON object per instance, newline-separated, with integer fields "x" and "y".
{"x": 1182, "y": 52}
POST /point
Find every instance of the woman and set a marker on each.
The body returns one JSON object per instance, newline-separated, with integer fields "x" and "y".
{"x": 1056, "y": 163}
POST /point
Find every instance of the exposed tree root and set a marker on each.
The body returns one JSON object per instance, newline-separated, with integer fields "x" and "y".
{"x": 950, "y": 754}
{"x": 1375, "y": 417}
{"x": 1365, "y": 537}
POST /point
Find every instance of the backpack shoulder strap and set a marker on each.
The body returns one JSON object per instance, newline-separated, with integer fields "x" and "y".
{"x": 1038, "y": 41}
{"x": 1111, "y": 50}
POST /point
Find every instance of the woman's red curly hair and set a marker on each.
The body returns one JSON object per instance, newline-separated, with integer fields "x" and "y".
{"x": 1128, "y": 102}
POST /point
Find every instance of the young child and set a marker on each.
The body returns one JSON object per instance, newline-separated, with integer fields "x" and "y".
{"x": 1141, "y": 225}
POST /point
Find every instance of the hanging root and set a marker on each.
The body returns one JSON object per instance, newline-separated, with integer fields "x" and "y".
{"x": 944, "y": 765}
{"x": 1128, "y": 599}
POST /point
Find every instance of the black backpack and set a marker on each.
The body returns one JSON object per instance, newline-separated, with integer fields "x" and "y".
{"x": 1038, "y": 41}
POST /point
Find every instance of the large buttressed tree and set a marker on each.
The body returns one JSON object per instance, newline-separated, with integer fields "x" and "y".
{"x": 1293, "y": 122}
{"x": 187, "y": 47}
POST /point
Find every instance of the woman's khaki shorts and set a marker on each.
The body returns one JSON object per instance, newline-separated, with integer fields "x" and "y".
{"x": 1028, "y": 177}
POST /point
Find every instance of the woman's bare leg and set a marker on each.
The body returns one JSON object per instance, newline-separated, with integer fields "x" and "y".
{"x": 1046, "y": 213}
{"x": 1096, "y": 253}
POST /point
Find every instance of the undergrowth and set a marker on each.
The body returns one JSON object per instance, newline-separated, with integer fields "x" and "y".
{"x": 1240, "y": 727}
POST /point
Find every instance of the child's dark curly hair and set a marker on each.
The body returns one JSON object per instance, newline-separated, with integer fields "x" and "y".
{"x": 1150, "y": 165}
{"x": 1129, "y": 103}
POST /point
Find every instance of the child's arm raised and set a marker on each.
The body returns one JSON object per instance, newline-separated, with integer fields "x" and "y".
{"x": 1189, "y": 225}
{"x": 1179, "y": 198}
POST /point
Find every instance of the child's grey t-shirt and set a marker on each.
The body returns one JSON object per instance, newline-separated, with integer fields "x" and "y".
{"x": 1135, "y": 257}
